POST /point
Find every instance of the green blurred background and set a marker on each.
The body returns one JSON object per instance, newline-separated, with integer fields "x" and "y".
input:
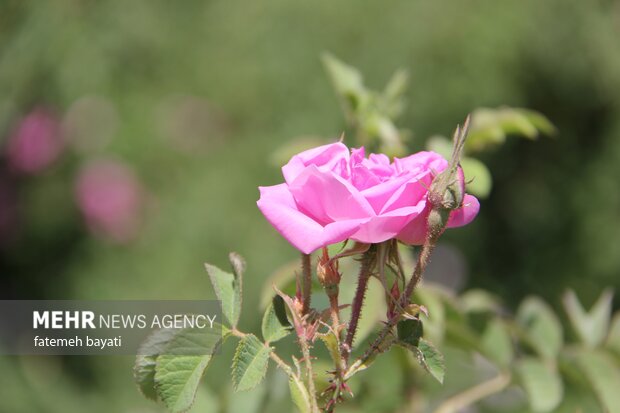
{"x": 174, "y": 108}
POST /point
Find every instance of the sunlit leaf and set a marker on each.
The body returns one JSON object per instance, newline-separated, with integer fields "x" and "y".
{"x": 477, "y": 176}
{"x": 592, "y": 326}
{"x": 347, "y": 81}
{"x": 497, "y": 343}
{"x": 542, "y": 384}
{"x": 227, "y": 288}
{"x": 603, "y": 373}
{"x": 541, "y": 326}
{"x": 490, "y": 127}
{"x": 613, "y": 337}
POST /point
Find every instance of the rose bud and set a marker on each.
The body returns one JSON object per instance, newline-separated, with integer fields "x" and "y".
{"x": 327, "y": 273}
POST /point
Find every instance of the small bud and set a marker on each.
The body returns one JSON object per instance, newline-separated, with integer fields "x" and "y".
{"x": 414, "y": 310}
{"x": 327, "y": 273}
{"x": 448, "y": 188}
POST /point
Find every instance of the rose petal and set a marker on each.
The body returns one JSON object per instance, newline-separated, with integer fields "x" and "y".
{"x": 278, "y": 206}
{"x": 328, "y": 197}
{"x": 465, "y": 214}
{"x": 387, "y": 226}
{"x": 414, "y": 233}
{"x": 425, "y": 160}
{"x": 333, "y": 156}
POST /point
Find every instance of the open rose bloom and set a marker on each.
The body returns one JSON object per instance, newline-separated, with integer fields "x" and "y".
{"x": 332, "y": 194}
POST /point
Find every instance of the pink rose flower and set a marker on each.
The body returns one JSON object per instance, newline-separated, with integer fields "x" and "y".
{"x": 35, "y": 143}
{"x": 331, "y": 195}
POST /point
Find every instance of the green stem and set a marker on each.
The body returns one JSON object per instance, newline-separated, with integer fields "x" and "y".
{"x": 305, "y": 351}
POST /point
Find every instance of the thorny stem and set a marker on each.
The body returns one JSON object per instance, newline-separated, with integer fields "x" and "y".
{"x": 472, "y": 395}
{"x": 420, "y": 266}
{"x": 419, "y": 269}
{"x": 307, "y": 282}
{"x": 358, "y": 301}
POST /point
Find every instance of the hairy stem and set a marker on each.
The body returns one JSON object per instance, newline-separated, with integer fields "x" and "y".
{"x": 472, "y": 395}
{"x": 305, "y": 351}
{"x": 335, "y": 314}
{"x": 307, "y": 282}
{"x": 358, "y": 302}
{"x": 420, "y": 266}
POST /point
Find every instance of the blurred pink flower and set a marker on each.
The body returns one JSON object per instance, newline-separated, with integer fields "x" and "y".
{"x": 35, "y": 143}
{"x": 332, "y": 194}
{"x": 111, "y": 199}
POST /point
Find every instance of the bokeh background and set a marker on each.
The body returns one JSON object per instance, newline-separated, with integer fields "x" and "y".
{"x": 134, "y": 134}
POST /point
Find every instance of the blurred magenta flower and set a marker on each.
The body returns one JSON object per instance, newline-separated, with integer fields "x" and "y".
{"x": 331, "y": 195}
{"x": 111, "y": 199}
{"x": 35, "y": 143}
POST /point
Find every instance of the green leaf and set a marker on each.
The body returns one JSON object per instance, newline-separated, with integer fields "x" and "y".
{"x": 432, "y": 360}
{"x": 250, "y": 363}
{"x": 541, "y": 327}
{"x": 497, "y": 343}
{"x": 591, "y": 327}
{"x": 347, "y": 81}
{"x": 477, "y": 300}
{"x": 300, "y": 395}
{"x": 490, "y": 127}
{"x": 539, "y": 121}
{"x": 144, "y": 367}
{"x": 613, "y": 338}
{"x": 392, "y": 101}
{"x": 477, "y": 176}
{"x": 332, "y": 345}
{"x": 603, "y": 373}
{"x": 181, "y": 365}
{"x": 275, "y": 322}
{"x": 178, "y": 378}
{"x": 410, "y": 331}
{"x": 429, "y": 358}
{"x": 227, "y": 287}
{"x": 541, "y": 383}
